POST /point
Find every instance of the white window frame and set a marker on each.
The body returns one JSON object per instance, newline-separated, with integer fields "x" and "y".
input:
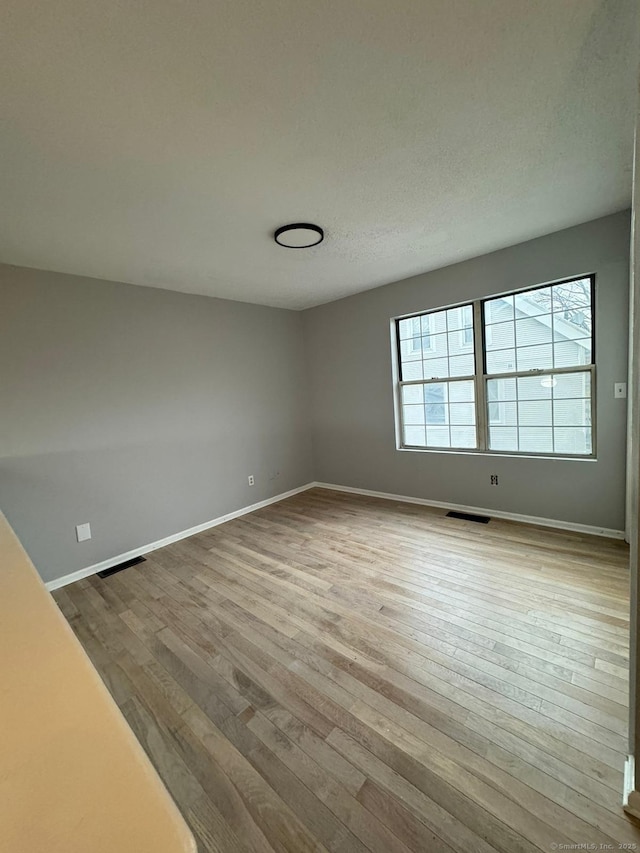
{"x": 480, "y": 378}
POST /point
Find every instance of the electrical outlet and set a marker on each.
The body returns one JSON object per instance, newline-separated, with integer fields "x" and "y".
{"x": 494, "y": 479}
{"x": 620, "y": 390}
{"x": 83, "y": 532}
{"x": 251, "y": 480}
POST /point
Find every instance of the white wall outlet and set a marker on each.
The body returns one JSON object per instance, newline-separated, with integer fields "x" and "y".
{"x": 83, "y": 532}
{"x": 251, "y": 480}
{"x": 620, "y": 390}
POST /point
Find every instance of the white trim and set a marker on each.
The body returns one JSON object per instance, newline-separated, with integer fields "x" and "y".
{"x": 629, "y": 777}
{"x": 175, "y": 537}
{"x": 607, "y": 532}
{"x": 630, "y": 797}
{"x": 183, "y": 534}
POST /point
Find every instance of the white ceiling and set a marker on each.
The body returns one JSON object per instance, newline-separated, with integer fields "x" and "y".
{"x": 161, "y": 142}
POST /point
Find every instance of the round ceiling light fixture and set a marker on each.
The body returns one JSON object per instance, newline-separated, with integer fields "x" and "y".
{"x": 300, "y": 235}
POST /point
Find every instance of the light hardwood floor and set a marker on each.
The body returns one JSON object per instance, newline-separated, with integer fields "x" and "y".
{"x": 347, "y": 674}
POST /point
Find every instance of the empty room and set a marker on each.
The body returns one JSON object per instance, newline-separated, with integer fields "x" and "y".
{"x": 319, "y": 426}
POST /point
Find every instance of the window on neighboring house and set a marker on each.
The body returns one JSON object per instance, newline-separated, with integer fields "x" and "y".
{"x": 510, "y": 374}
{"x": 466, "y": 333}
{"x": 420, "y": 340}
{"x": 495, "y": 404}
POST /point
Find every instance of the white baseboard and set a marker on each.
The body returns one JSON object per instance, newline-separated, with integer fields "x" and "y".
{"x": 175, "y": 537}
{"x": 609, "y": 533}
{"x": 183, "y": 534}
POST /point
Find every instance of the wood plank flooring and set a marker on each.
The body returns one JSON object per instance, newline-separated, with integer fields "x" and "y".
{"x": 338, "y": 673}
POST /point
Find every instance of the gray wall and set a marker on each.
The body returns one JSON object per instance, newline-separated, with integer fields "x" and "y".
{"x": 143, "y": 411}
{"x": 140, "y": 411}
{"x": 350, "y": 367}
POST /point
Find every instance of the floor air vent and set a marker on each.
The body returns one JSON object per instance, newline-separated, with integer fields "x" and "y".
{"x": 120, "y": 567}
{"x": 467, "y": 516}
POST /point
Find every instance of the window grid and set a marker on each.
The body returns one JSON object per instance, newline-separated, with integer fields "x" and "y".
{"x": 549, "y": 314}
{"x": 552, "y": 399}
{"x": 453, "y": 403}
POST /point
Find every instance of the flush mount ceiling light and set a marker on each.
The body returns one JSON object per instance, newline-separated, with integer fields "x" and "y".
{"x": 300, "y": 235}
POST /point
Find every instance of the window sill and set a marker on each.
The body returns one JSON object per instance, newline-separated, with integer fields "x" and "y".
{"x": 506, "y": 454}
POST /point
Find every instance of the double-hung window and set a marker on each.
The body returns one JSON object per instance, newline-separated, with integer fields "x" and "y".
{"x": 509, "y": 374}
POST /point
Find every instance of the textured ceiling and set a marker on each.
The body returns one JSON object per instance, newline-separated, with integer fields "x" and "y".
{"x": 160, "y": 142}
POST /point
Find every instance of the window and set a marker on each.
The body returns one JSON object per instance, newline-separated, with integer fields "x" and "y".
{"x": 509, "y": 374}
{"x": 420, "y": 340}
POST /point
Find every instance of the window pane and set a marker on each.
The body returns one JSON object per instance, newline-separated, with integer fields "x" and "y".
{"x": 500, "y": 335}
{"x": 463, "y": 436}
{"x": 435, "y": 408}
{"x": 467, "y": 337}
{"x": 454, "y": 343}
{"x": 532, "y": 331}
{"x": 533, "y": 302}
{"x": 503, "y": 438}
{"x": 462, "y": 392}
{"x": 533, "y": 388}
{"x": 436, "y": 392}
{"x": 535, "y": 439}
{"x": 497, "y": 310}
{"x": 536, "y": 413}
{"x": 412, "y": 370}
{"x": 413, "y": 415}
{"x": 572, "y": 294}
{"x": 414, "y": 436}
{"x": 438, "y": 437}
{"x": 435, "y": 400}
{"x": 501, "y": 389}
{"x": 461, "y": 365}
{"x": 503, "y": 414}
{"x": 434, "y": 323}
{"x": 411, "y": 349}
{"x": 574, "y": 441}
{"x": 458, "y": 318}
{"x": 435, "y": 413}
{"x": 501, "y": 361}
{"x": 568, "y": 325}
{"x": 437, "y": 346}
{"x": 426, "y": 345}
{"x": 571, "y": 413}
{"x": 534, "y": 358}
{"x": 435, "y": 368}
{"x": 571, "y": 385}
{"x": 409, "y": 328}
{"x": 412, "y": 394}
{"x": 462, "y": 414}
{"x": 572, "y": 353}
{"x": 495, "y": 413}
